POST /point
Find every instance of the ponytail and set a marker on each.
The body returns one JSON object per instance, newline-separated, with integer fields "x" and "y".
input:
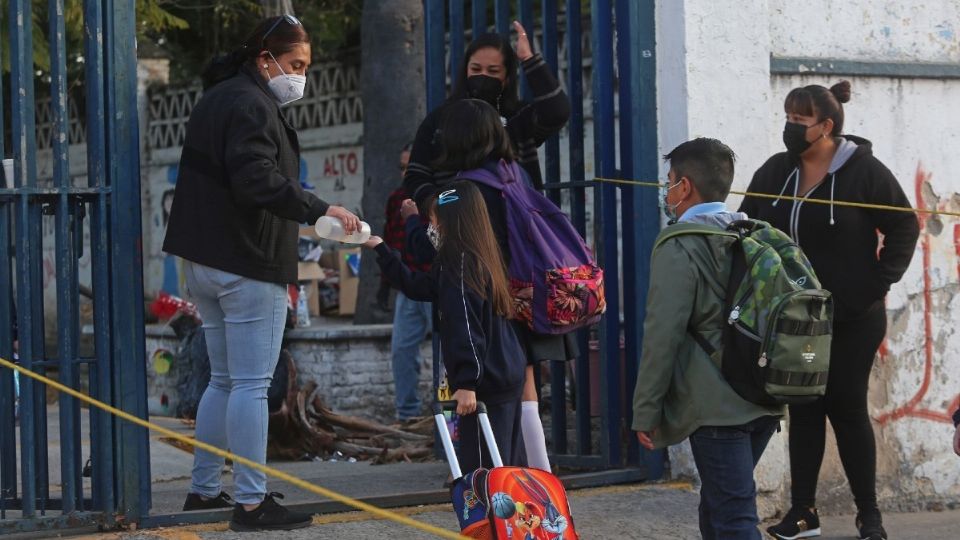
{"x": 222, "y": 67}
{"x": 267, "y": 36}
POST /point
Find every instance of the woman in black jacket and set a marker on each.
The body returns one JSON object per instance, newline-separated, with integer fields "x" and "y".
{"x": 843, "y": 246}
{"x": 489, "y": 73}
{"x": 235, "y": 216}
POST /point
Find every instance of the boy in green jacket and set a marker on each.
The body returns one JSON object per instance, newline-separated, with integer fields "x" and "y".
{"x": 680, "y": 391}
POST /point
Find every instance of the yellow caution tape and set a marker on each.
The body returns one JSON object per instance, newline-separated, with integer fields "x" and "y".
{"x": 794, "y": 198}
{"x": 360, "y": 505}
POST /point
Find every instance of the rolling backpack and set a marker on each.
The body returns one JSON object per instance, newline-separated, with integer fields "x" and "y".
{"x": 504, "y": 503}
{"x": 776, "y": 340}
{"x": 556, "y": 285}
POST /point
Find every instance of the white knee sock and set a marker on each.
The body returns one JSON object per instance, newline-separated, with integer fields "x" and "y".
{"x": 533, "y": 439}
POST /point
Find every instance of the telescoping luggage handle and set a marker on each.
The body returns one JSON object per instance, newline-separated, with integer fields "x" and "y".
{"x": 438, "y": 409}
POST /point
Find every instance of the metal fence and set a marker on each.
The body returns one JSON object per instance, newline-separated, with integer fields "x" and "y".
{"x": 626, "y": 220}
{"x": 106, "y": 206}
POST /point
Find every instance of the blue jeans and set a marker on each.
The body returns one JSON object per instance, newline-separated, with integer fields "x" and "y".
{"x": 243, "y": 323}
{"x": 725, "y": 458}
{"x": 411, "y": 322}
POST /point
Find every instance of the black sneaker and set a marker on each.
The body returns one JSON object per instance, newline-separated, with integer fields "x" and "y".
{"x": 269, "y": 516}
{"x": 196, "y": 502}
{"x": 800, "y": 522}
{"x": 870, "y": 525}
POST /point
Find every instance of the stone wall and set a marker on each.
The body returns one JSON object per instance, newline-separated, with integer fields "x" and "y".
{"x": 351, "y": 365}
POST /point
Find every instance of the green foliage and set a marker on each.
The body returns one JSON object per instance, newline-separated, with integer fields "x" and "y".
{"x": 219, "y": 26}
{"x": 189, "y": 32}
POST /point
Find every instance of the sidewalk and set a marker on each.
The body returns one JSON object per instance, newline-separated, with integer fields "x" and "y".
{"x": 654, "y": 511}
{"x": 664, "y": 511}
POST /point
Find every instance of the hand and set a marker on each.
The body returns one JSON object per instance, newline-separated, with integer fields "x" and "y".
{"x": 466, "y": 401}
{"x": 408, "y": 208}
{"x": 645, "y": 438}
{"x": 524, "y": 50}
{"x": 373, "y": 242}
{"x": 351, "y": 223}
{"x": 956, "y": 441}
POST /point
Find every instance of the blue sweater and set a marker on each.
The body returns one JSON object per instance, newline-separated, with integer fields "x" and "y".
{"x": 479, "y": 349}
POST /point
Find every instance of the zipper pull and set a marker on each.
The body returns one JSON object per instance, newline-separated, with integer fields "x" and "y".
{"x": 763, "y": 360}
{"x": 734, "y": 315}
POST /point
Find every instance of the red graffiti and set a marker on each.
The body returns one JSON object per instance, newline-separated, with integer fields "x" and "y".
{"x": 912, "y": 408}
{"x": 340, "y": 164}
{"x": 956, "y": 244}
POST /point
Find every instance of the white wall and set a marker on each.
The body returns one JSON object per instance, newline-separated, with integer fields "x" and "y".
{"x": 724, "y": 61}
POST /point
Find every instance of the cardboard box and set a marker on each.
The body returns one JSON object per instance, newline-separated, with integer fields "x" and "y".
{"x": 309, "y": 274}
{"x": 349, "y": 280}
{"x": 309, "y": 232}
{"x": 307, "y": 271}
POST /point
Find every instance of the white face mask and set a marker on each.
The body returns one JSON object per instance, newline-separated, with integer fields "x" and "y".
{"x": 286, "y": 88}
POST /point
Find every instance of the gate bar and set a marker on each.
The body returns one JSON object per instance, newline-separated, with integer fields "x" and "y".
{"x": 578, "y": 209}
{"x": 23, "y": 132}
{"x": 72, "y": 485}
{"x": 102, "y": 424}
{"x": 129, "y": 364}
{"x": 605, "y": 156}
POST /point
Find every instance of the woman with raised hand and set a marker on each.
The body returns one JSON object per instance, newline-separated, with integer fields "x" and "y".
{"x": 489, "y": 73}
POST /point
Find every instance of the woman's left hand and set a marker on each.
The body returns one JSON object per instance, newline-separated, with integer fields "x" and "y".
{"x": 524, "y": 50}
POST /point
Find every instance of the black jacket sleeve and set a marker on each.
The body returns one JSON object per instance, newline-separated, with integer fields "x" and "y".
{"x": 250, "y": 163}
{"x": 418, "y": 180}
{"x": 462, "y": 338}
{"x": 418, "y": 243}
{"x": 419, "y": 286}
{"x": 548, "y": 112}
{"x": 749, "y": 205}
{"x": 900, "y": 229}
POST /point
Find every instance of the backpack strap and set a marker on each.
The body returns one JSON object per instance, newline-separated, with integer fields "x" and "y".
{"x": 736, "y": 273}
{"x": 681, "y": 229}
{"x": 497, "y": 177}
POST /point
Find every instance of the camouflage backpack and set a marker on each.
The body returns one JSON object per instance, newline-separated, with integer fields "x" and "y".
{"x": 776, "y": 343}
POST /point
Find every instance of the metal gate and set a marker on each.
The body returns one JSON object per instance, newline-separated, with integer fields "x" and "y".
{"x": 625, "y": 219}
{"x": 98, "y": 212}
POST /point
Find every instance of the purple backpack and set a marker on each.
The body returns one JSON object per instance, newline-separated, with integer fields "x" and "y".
{"x": 556, "y": 284}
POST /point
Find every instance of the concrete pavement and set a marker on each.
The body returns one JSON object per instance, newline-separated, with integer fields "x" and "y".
{"x": 665, "y": 512}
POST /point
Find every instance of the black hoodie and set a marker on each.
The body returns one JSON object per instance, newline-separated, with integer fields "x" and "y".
{"x": 479, "y": 349}
{"x": 841, "y": 241}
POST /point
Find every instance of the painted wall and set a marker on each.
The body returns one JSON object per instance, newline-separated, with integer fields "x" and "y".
{"x": 716, "y": 82}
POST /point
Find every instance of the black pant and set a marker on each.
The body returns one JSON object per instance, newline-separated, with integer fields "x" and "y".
{"x": 505, "y": 421}
{"x": 852, "y": 352}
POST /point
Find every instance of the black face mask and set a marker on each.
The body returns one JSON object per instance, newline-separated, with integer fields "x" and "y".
{"x": 486, "y": 88}
{"x": 795, "y": 138}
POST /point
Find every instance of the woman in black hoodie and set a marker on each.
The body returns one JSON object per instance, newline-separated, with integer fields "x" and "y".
{"x": 851, "y": 262}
